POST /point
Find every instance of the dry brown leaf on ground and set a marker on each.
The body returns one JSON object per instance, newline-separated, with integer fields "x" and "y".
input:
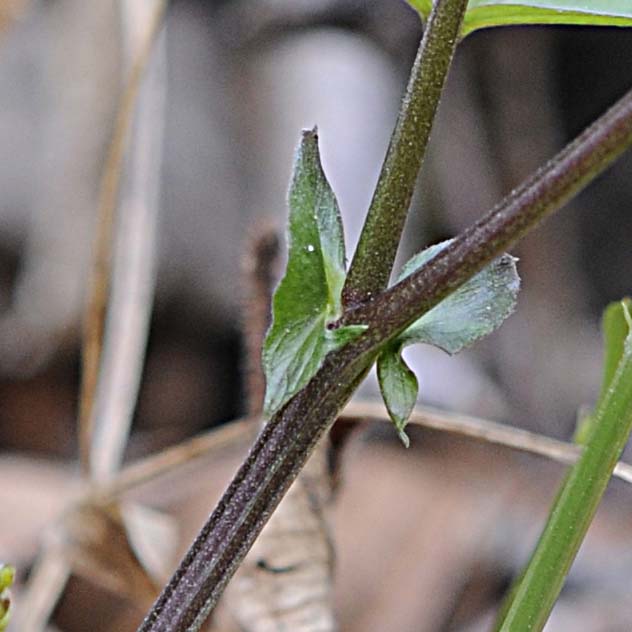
{"x": 410, "y": 527}
{"x": 97, "y": 547}
{"x": 153, "y": 537}
{"x": 47, "y": 582}
{"x": 34, "y": 494}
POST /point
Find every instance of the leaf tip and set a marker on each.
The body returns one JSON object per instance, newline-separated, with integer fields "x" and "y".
{"x": 310, "y": 134}
{"x": 627, "y": 343}
{"x": 404, "y": 438}
{"x": 626, "y": 313}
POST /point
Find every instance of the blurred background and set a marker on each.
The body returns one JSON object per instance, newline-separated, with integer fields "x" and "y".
{"x": 229, "y": 86}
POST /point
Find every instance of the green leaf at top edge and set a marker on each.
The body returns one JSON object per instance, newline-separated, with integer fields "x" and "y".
{"x": 309, "y": 293}
{"x": 423, "y": 7}
{"x": 399, "y": 388}
{"x": 490, "y": 13}
{"x": 469, "y": 313}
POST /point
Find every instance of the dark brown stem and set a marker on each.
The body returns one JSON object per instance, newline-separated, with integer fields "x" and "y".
{"x": 288, "y": 439}
{"x": 373, "y": 261}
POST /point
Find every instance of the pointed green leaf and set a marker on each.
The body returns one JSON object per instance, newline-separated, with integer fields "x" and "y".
{"x": 615, "y": 330}
{"x": 487, "y": 13}
{"x": 399, "y": 388}
{"x": 530, "y": 601}
{"x": 309, "y": 293}
{"x": 471, "y": 312}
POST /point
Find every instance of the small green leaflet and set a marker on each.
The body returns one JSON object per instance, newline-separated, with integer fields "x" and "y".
{"x": 471, "y": 312}
{"x": 474, "y": 310}
{"x": 399, "y": 387}
{"x": 487, "y": 13}
{"x": 308, "y": 296}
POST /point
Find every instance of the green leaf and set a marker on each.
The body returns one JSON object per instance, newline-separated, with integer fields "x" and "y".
{"x": 471, "y": 312}
{"x": 309, "y": 293}
{"x": 423, "y": 7}
{"x": 615, "y": 330}
{"x": 487, "y": 13}
{"x": 399, "y": 388}
{"x": 7, "y": 575}
{"x": 531, "y": 600}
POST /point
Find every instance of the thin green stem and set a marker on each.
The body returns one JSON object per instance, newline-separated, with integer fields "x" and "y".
{"x": 532, "y": 599}
{"x": 287, "y": 440}
{"x": 539, "y": 196}
{"x": 374, "y": 257}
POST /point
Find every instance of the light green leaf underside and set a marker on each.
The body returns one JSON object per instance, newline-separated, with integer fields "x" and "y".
{"x": 488, "y": 13}
{"x": 471, "y": 312}
{"x": 399, "y": 388}
{"x": 290, "y": 357}
{"x": 309, "y": 293}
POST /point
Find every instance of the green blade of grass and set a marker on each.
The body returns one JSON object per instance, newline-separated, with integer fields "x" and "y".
{"x": 615, "y": 331}
{"x": 531, "y": 600}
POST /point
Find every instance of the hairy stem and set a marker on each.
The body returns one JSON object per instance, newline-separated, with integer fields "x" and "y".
{"x": 374, "y": 257}
{"x": 539, "y": 196}
{"x": 286, "y": 442}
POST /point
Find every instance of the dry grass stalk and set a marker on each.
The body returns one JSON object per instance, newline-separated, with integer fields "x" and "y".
{"x": 94, "y": 323}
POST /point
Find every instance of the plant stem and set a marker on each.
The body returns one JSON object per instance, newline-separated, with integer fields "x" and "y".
{"x": 286, "y": 442}
{"x": 532, "y": 599}
{"x": 523, "y": 209}
{"x": 375, "y": 254}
